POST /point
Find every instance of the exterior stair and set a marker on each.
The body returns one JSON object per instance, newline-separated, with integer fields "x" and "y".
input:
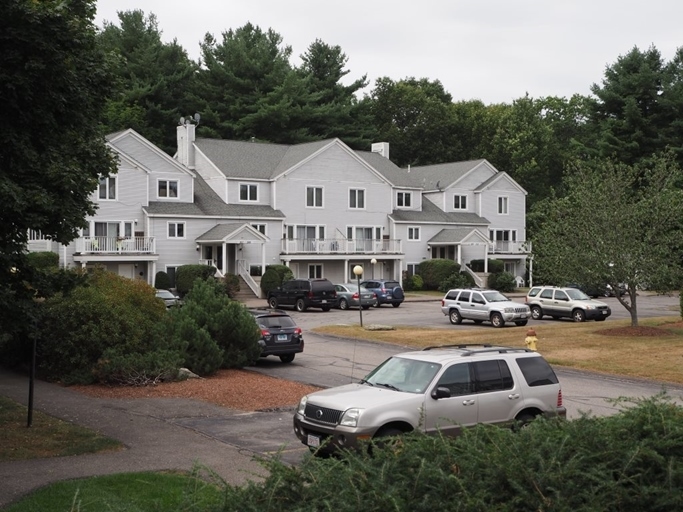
{"x": 245, "y": 292}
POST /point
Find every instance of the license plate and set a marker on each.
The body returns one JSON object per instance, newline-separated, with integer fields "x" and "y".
{"x": 324, "y": 301}
{"x": 282, "y": 337}
{"x": 313, "y": 441}
{"x": 604, "y": 312}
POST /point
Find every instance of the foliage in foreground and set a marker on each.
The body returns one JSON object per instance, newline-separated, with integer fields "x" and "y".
{"x": 629, "y": 461}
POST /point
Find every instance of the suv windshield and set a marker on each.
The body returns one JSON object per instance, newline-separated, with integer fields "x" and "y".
{"x": 402, "y": 374}
{"x": 495, "y": 297}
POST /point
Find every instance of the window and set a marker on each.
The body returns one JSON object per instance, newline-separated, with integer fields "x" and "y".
{"x": 176, "y": 230}
{"x": 108, "y": 188}
{"x": 536, "y": 371}
{"x": 248, "y": 192}
{"x": 168, "y": 188}
{"x": 259, "y": 227}
{"x": 464, "y": 296}
{"x": 477, "y": 298}
{"x": 547, "y": 293}
{"x": 404, "y": 199}
{"x": 315, "y": 271}
{"x": 356, "y": 198}
{"x": 412, "y": 268}
{"x": 314, "y": 197}
{"x": 460, "y": 202}
{"x": 502, "y": 205}
{"x": 457, "y": 379}
{"x": 413, "y": 233}
{"x": 492, "y": 376}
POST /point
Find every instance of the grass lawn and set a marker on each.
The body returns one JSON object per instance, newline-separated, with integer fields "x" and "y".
{"x": 654, "y": 351}
{"x": 140, "y": 492}
{"x": 47, "y": 437}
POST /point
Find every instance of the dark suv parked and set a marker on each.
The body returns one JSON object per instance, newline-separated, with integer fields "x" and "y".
{"x": 388, "y": 291}
{"x": 303, "y": 294}
{"x": 280, "y": 336}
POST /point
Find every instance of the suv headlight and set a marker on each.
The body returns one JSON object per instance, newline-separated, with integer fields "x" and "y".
{"x": 302, "y": 405}
{"x": 350, "y": 418}
{"x": 590, "y": 306}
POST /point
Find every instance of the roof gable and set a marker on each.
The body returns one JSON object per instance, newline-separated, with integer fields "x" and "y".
{"x": 496, "y": 178}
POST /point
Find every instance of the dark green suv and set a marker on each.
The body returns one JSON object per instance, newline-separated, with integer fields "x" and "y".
{"x": 302, "y": 294}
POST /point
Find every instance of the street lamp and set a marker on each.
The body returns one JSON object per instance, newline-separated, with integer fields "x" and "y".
{"x": 373, "y": 261}
{"x": 358, "y": 270}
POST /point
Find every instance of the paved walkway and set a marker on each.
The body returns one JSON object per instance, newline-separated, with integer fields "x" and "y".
{"x": 151, "y": 442}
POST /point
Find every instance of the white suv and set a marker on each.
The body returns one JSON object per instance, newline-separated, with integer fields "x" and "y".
{"x": 483, "y": 306}
{"x": 436, "y": 390}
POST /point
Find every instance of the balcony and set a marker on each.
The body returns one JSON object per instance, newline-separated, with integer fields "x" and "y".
{"x": 340, "y": 246}
{"x": 505, "y": 247}
{"x": 116, "y": 245}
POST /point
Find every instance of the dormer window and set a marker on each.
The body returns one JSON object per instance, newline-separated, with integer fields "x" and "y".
{"x": 460, "y": 202}
{"x": 248, "y": 192}
{"x": 167, "y": 189}
{"x": 107, "y": 188}
{"x": 404, "y": 199}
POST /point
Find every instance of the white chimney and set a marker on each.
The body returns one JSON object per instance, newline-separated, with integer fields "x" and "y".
{"x": 382, "y": 148}
{"x": 185, "y": 133}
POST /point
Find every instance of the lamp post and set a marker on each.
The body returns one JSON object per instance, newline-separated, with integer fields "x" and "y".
{"x": 373, "y": 261}
{"x": 358, "y": 270}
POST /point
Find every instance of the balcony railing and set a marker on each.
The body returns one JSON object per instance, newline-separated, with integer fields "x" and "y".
{"x": 504, "y": 247}
{"x": 116, "y": 245}
{"x": 340, "y": 246}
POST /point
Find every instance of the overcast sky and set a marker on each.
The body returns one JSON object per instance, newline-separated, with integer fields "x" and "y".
{"x": 492, "y": 50}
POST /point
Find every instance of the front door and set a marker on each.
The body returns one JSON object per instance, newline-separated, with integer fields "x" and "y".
{"x": 127, "y": 270}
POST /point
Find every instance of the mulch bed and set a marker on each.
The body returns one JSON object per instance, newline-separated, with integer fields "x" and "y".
{"x": 641, "y": 330}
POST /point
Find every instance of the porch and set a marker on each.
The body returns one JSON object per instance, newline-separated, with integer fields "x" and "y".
{"x": 115, "y": 245}
{"x": 340, "y": 246}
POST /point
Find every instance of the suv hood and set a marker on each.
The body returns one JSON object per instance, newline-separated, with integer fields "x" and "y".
{"x": 360, "y": 395}
{"x": 592, "y": 302}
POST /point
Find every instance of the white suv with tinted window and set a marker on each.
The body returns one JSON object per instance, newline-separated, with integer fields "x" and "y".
{"x": 436, "y": 390}
{"x": 483, "y": 306}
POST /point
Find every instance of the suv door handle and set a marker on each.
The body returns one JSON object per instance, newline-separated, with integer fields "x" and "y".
{"x": 513, "y": 396}
{"x": 468, "y": 402}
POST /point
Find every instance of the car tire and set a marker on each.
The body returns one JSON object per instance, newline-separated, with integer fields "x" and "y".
{"x": 344, "y": 304}
{"x": 300, "y": 305}
{"x": 521, "y": 323}
{"x": 455, "y": 317}
{"x": 536, "y": 312}
{"x": 523, "y": 421}
{"x": 272, "y": 303}
{"x": 326, "y": 308}
{"x": 385, "y": 438}
{"x": 396, "y": 304}
{"x": 287, "y": 358}
{"x": 497, "y": 320}
{"x": 579, "y": 315}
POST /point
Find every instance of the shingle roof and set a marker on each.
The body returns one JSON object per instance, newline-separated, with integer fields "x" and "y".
{"x": 207, "y": 202}
{"x": 450, "y": 236}
{"x": 218, "y": 232}
{"x": 444, "y": 174}
{"x": 432, "y": 213}
{"x": 391, "y": 172}
{"x": 255, "y": 160}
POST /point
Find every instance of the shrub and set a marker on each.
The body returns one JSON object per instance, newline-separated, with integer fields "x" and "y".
{"x": 202, "y": 354}
{"x": 231, "y": 283}
{"x": 412, "y": 283}
{"x": 162, "y": 281}
{"x": 269, "y": 281}
{"x": 283, "y": 271}
{"x": 457, "y": 280}
{"x": 434, "y": 272}
{"x": 632, "y": 460}
{"x": 502, "y": 281}
{"x": 43, "y": 260}
{"x": 109, "y": 312}
{"x": 494, "y": 266}
{"x": 186, "y": 275}
{"x": 137, "y": 369}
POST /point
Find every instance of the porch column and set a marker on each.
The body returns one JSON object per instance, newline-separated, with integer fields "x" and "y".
{"x": 263, "y": 257}
{"x": 225, "y": 258}
{"x": 458, "y": 252}
{"x": 486, "y": 258}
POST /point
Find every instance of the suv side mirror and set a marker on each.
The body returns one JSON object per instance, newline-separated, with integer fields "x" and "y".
{"x": 441, "y": 392}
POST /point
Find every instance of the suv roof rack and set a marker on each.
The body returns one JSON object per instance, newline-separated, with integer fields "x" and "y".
{"x": 500, "y": 350}
{"x": 465, "y": 345}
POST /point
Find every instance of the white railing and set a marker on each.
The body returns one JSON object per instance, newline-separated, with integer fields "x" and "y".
{"x": 340, "y": 246}
{"x": 503, "y": 247}
{"x": 114, "y": 244}
{"x": 243, "y": 272}
{"x": 477, "y": 279}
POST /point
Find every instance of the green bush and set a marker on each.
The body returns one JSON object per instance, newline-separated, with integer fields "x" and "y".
{"x": 502, "y": 281}
{"x": 43, "y": 260}
{"x": 631, "y": 461}
{"x": 457, "y": 280}
{"x": 494, "y": 266}
{"x": 162, "y": 281}
{"x": 412, "y": 283}
{"x": 434, "y": 272}
{"x": 109, "y": 312}
{"x": 231, "y": 283}
{"x": 228, "y": 323}
{"x": 202, "y": 354}
{"x": 116, "y": 366}
{"x": 269, "y": 281}
{"x": 283, "y": 271}
{"x": 186, "y": 275}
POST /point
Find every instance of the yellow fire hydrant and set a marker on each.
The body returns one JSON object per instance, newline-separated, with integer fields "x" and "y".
{"x": 531, "y": 339}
